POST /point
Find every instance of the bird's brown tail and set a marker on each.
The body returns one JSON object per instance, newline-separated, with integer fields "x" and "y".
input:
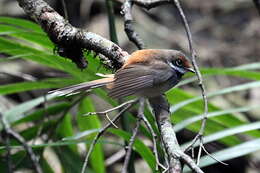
{"x": 83, "y": 86}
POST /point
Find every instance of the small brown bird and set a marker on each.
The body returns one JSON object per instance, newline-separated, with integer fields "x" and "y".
{"x": 146, "y": 73}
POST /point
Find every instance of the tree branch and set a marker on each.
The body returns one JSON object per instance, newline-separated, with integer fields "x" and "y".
{"x": 199, "y": 76}
{"x": 161, "y": 110}
{"x": 154, "y": 137}
{"x": 67, "y": 37}
{"x": 129, "y": 29}
{"x": 102, "y": 131}
{"x": 132, "y": 139}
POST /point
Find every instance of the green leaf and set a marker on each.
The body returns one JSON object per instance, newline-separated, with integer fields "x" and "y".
{"x": 81, "y": 134}
{"x": 236, "y": 71}
{"x": 214, "y": 124}
{"x": 8, "y": 58}
{"x": 251, "y": 66}
{"x": 69, "y": 160}
{"x": 38, "y": 39}
{"x": 228, "y": 132}
{"x": 65, "y": 129}
{"x": 41, "y": 113}
{"x": 14, "y": 48}
{"x": 47, "y": 58}
{"x": 217, "y": 93}
{"x": 139, "y": 146}
{"x": 88, "y": 123}
{"x": 35, "y": 85}
{"x": 18, "y": 111}
{"x": 181, "y": 125}
{"x": 31, "y": 133}
{"x": 46, "y": 167}
{"x": 243, "y": 71}
{"x": 26, "y": 24}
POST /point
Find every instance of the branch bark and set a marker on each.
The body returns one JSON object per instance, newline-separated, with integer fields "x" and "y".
{"x": 161, "y": 110}
{"x": 66, "y": 36}
{"x": 128, "y": 24}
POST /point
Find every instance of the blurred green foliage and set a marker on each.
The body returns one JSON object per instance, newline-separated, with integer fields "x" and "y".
{"x": 21, "y": 39}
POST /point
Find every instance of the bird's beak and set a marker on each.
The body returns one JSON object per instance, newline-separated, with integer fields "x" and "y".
{"x": 190, "y": 70}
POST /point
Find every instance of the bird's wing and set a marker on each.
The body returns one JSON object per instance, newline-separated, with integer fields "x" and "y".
{"x": 134, "y": 78}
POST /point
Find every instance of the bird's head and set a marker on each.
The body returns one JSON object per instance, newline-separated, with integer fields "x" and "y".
{"x": 178, "y": 61}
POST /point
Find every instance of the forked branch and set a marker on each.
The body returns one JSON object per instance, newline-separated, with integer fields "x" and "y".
{"x": 102, "y": 131}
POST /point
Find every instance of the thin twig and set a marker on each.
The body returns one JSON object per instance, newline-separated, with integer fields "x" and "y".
{"x": 132, "y": 139}
{"x": 196, "y": 68}
{"x": 111, "y": 121}
{"x": 130, "y": 146}
{"x": 188, "y": 160}
{"x": 154, "y": 137}
{"x": 112, "y": 109}
{"x": 210, "y": 155}
{"x": 21, "y": 140}
{"x": 129, "y": 29}
{"x": 101, "y": 131}
{"x": 199, "y": 153}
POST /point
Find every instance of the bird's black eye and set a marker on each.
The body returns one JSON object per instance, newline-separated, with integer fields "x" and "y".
{"x": 179, "y": 62}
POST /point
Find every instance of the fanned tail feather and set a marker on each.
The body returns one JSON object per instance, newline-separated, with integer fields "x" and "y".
{"x": 74, "y": 89}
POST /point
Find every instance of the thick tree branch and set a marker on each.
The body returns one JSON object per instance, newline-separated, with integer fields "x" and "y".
{"x": 129, "y": 28}
{"x": 66, "y": 36}
{"x": 161, "y": 110}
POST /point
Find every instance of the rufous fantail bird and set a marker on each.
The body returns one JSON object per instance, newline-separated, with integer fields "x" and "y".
{"x": 145, "y": 73}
